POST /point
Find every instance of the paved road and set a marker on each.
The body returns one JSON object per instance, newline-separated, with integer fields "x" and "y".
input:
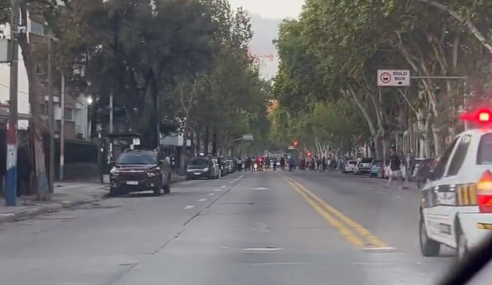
{"x": 246, "y": 228}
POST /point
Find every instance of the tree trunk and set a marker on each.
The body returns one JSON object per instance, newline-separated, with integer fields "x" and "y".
{"x": 36, "y": 124}
{"x": 198, "y": 141}
{"x": 214, "y": 144}
{"x": 206, "y": 141}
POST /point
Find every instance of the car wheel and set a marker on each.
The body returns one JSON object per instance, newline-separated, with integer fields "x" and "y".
{"x": 158, "y": 189}
{"x": 114, "y": 192}
{"x": 428, "y": 247}
{"x": 461, "y": 244}
{"x": 167, "y": 186}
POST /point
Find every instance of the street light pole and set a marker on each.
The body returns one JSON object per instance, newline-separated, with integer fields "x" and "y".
{"x": 62, "y": 127}
{"x": 51, "y": 116}
{"x": 11, "y": 175}
{"x": 89, "y": 118}
{"x": 111, "y": 118}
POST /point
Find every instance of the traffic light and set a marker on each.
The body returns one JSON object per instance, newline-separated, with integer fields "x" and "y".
{"x": 309, "y": 153}
{"x": 295, "y": 143}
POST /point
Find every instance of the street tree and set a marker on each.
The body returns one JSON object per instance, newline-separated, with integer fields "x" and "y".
{"x": 30, "y": 55}
{"x": 351, "y": 40}
{"x": 136, "y": 50}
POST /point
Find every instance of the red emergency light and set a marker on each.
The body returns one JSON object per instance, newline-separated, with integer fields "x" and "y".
{"x": 482, "y": 116}
{"x": 484, "y": 192}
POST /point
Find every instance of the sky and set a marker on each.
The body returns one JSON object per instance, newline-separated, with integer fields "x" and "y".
{"x": 277, "y": 9}
{"x": 266, "y": 15}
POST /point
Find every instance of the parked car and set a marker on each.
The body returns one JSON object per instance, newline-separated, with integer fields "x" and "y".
{"x": 222, "y": 162}
{"x": 201, "y": 167}
{"x": 376, "y": 169}
{"x": 140, "y": 170}
{"x": 349, "y": 166}
{"x": 364, "y": 166}
{"x": 230, "y": 166}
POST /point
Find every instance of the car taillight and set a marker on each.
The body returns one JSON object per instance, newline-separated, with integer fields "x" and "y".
{"x": 484, "y": 192}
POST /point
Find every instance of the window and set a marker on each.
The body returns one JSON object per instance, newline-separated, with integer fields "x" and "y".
{"x": 202, "y": 162}
{"x": 68, "y": 114}
{"x": 443, "y": 160}
{"x": 484, "y": 153}
{"x": 43, "y": 108}
{"x": 459, "y": 155}
{"x": 37, "y": 28}
{"x": 137, "y": 158}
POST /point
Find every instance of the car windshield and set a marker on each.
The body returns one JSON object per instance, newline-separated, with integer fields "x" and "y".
{"x": 137, "y": 158}
{"x": 198, "y": 162}
{"x": 164, "y": 96}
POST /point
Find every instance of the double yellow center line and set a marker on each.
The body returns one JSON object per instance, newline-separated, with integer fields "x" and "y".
{"x": 352, "y": 231}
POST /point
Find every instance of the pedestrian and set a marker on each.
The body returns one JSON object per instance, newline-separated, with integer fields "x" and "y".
{"x": 395, "y": 169}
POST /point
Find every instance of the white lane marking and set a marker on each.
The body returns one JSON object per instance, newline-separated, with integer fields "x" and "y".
{"x": 223, "y": 186}
{"x": 189, "y": 207}
{"x": 217, "y": 190}
{"x": 202, "y": 200}
{"x": 263, "y": 249}
{"x": 211, "y": 194}
{"x": 378, "y": 248}
{"x": 235, "y": 180}
{"x": 278, "y": 263}
{"x": 260, "y": 189}
{"x": 373, "y": 264}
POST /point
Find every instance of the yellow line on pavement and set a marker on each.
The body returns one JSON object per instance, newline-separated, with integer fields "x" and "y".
{"x": 329, "y": 212}
{"x": 344, "y": 231}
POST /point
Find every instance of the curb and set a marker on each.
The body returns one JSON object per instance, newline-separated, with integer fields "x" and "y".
{"x": 55, "y": 207}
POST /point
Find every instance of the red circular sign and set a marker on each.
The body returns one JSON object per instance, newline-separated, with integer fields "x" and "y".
{"x": 385, "y": 77}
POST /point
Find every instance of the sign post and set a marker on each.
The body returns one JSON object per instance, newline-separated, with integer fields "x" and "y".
{"x": 393, "y": 78}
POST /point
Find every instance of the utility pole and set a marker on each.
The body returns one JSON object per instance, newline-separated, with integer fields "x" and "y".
{"x": 11, "y": 176}
{"x": 111, "y": 113}
{"x": 158, "y": 122}
{"x": 62, "y": 127}
{"x": 51, "y": 115}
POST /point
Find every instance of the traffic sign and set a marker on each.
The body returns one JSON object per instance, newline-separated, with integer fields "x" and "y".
{"x": 247, "y": 137}
{"x": 393, "y": 77}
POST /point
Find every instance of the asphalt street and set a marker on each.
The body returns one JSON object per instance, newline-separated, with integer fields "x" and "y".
{"x": 268, "y": 227}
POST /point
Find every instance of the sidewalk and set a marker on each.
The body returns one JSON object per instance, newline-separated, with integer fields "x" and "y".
{"x": 383, "y": 182}
{"x": 373, "y": 180}
{"x": 67, "y": 195}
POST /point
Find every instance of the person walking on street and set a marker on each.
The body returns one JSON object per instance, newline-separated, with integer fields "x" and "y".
{"x": 395, "y": 168}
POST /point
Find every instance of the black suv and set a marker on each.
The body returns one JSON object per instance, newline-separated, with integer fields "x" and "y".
{"x": 140, "y": 170}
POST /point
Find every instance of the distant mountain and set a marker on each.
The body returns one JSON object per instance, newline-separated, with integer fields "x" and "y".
{"x": 265, "y": 31}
